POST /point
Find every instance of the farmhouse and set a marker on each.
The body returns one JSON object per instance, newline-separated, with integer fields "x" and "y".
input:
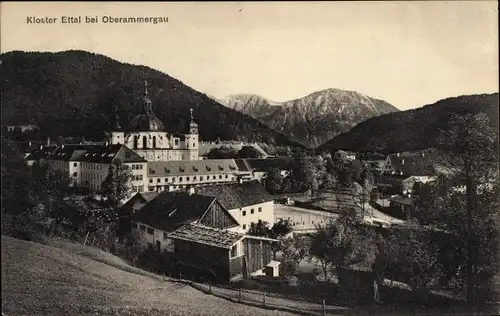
{"x": 199, "y": 231}
{"x": 246, "y": 202}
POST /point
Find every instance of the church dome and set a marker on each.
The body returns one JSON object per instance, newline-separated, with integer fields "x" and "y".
{"x": 146, "y": 121}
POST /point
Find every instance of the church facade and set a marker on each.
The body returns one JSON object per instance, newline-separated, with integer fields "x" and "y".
{"x": 147, "y": 137}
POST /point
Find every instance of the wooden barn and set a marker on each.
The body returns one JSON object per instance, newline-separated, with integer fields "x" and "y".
{"x": 222, "y": 254}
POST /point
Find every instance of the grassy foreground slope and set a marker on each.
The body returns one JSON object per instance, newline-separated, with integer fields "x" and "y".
{"x": 40, "y": 279}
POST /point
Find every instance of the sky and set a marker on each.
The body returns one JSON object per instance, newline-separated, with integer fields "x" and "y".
{"x": 406, "y": 53}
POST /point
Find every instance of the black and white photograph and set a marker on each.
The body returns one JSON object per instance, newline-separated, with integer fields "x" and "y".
{"x": 250, "y": 158}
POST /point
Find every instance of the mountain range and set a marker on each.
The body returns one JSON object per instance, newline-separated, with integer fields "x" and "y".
{"x": 82, "y": 94}
{"x": 313, "y": 119}
{"x": 414, "y": 129}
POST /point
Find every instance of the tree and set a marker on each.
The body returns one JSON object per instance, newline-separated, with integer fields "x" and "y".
{"x": 274, "y": 181}
{"x": 249, "y": 152}
{"x": 294, "y": 250}
{"x": 259, "y": 229}
{"x": 471, "y": 146}
{"x": 281, "y": 228}
{"x": 344, "y": 242}
{"x": 116, "y": 186}
{"x": 222, "y": 152}
{"x": 17, "y": 196}
{"x": 411, "y": 256}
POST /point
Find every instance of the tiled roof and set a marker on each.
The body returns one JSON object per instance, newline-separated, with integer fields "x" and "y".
{"x": 42, "y": 153}
{"x": 106, "y": 154}
{"x": 66, "y": 152}
{"x": 236, "y": 195}
{"x": 193, "y": 167}
{"x": 258, "y": 164}
{"x": 170, "y": 210}
{"x": 207, "y": 236}
{"x": 146, "y": 197}
{"x": 90, "y": 153}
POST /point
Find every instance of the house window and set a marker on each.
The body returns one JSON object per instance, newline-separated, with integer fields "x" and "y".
{"x": 74, "y": 174}
{"x": 244, "y": 226}
{"x": 166, "y": 180}
{"x": 141, "y": 188}
{"x": 74, "y": 164}
{"x": 158, "y": 180}
{"x": 150, "y": 231}
{"x": 180, "y": 179}
{"x": 214, "y": 177}
{"x": 151, "y": 188}
{"x": 133, "y": 225}
{"x": 134, "y": 188}
{"x": 142, "y": 228}
{"x": 220, "y": 176}
{"x": 244, "y": 213}
{"x": 165, "y": 235}
{"x": 194, "y": 178}
{"x": 226, "y": 176}
{"x": 150, "y": 180}
{"x": 201, "y": 178}
{"x": 260, "y": 209}
{"x": 187, "y": 178}
{"x": 251, "y": 211}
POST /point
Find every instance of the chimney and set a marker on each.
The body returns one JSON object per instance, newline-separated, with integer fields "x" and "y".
{"x": 191, "y": 190}
{"x": 48, "y": 141}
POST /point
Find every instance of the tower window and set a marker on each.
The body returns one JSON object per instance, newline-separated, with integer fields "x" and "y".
{"x": 154, "y": 141}
{"x": 144, "y": 142}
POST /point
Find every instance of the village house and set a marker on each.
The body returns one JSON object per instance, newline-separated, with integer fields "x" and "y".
{"x": 378, "y": 164}
{"x": 199, "y": 231}
{"x": 246, "y": 202}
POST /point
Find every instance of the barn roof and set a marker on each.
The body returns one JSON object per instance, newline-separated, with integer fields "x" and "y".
{"x": 207, "y": 236}
{"x": 170, "y": 210}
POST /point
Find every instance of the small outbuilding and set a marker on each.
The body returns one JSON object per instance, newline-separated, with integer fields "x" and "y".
{"x": 272, "y": 269}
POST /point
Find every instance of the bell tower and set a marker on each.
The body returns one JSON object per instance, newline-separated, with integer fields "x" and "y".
{"x": 191, "y": 137}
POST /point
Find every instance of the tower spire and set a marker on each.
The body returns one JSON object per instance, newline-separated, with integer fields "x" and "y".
{"x": 191, "y": 113}
{"x": 148, "y": 107}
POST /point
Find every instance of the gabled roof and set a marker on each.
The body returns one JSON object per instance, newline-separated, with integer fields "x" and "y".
{"x": 40, "y": 153}
{"x": 66, "y": 152}
{"x": 236, "y": 195}
{"x": 107, "y": 154}
{"x": 92, "y": 153}
{"x": 207, "y": 236}
{"x": 192, "y": 167}
{"x": 170, "y": 210}
{"x": 145, "y": 197}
